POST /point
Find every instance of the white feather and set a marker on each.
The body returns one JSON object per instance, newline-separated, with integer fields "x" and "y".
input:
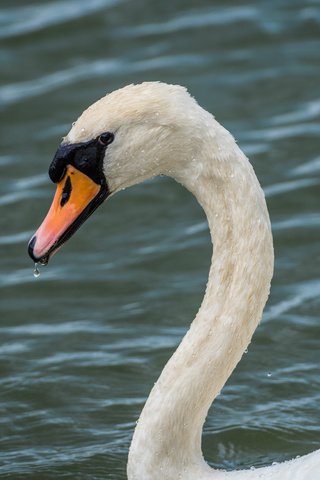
{"x": 160, "y": 129}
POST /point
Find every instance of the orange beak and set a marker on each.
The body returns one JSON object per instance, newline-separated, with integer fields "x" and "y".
{"x": 76, "y": 197}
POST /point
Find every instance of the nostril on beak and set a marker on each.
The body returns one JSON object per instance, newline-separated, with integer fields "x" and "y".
{"x": 31, "y": 247}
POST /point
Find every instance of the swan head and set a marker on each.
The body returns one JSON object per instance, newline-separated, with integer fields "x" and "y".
{"x": 132, "y": 134}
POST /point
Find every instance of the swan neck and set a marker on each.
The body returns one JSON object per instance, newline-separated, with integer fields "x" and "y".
{"x": 168, "y": 434}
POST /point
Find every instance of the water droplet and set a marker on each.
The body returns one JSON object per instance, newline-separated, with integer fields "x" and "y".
{"x": 36, "y": 272}
{"x": 269, "y": 374}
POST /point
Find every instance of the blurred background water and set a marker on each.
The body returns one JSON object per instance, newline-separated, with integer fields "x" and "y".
{"x": 82, "y": 345}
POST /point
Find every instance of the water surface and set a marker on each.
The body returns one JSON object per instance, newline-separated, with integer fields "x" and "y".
{"x": 82, "y": 345}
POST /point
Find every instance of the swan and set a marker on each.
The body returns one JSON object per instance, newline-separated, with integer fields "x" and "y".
{"x": 135, "y": 133}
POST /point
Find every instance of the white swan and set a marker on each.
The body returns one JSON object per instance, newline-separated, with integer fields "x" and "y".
{"x": 128, "y": 136}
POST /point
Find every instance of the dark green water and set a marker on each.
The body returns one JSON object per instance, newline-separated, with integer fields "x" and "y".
{"x": 82, "y": 345}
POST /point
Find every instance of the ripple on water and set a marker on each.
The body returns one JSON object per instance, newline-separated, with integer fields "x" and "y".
{"x": 82, "y": 345}
{"x": 29, "y": 19}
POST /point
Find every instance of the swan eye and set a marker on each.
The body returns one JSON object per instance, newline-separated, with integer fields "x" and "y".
{"x": 106, "y": 138}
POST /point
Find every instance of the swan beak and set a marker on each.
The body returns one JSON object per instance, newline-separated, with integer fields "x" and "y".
{"x": 76, "y": 197}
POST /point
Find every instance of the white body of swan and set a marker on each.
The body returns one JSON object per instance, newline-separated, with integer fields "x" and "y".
{"x": 160, "y": 129}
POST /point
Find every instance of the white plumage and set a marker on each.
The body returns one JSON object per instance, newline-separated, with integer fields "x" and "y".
{"x": 160, "y": 129}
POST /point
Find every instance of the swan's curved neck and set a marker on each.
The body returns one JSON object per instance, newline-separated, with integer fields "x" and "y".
{"x": 167, "y": 440}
